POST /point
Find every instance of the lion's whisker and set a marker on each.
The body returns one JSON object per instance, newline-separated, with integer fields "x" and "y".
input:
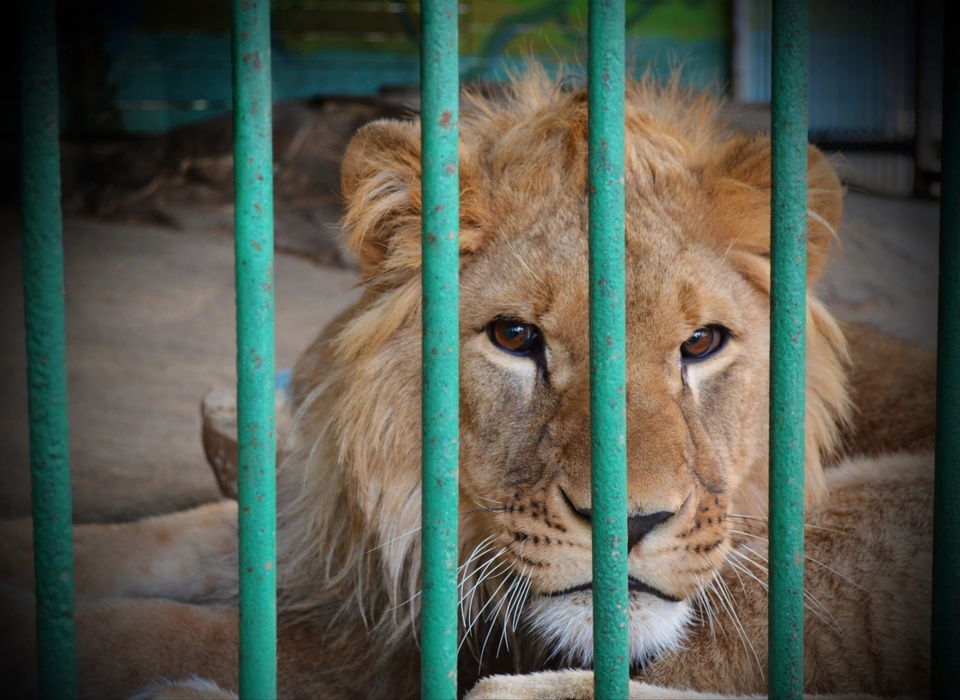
{"x": 484, "y": 577}
{"x": 731, "y": 550}
{"x": 703, "y": 603}
{"x": 734, "y": 531}
{"x": 483, "y": 509}
{"x": 715, "y": 595}
{"x": 484, "y": 498}
{"x": 809, "y": 598}
{"x": 481, "y": 571}
{"x": 483, "y": 574}
{"x": 492, "y": 615}
{"x": 482, "y": 548}
{"x": 406, "y": 602}
{"x": 395, "y": 539}
{"x": 523, "y": 594}
{"x": 825, "y": 529}
{"x": 805, "y": 556}
{"x": 470, "y": 619}
{"x": 514, "y": 601}
{"x": 462, "y": 603}
{"x": 834, "y": 572}
{"x": 737, "y": 562}
{"x": 727, "y": 602}
{"x": 764, "y": 519}
{"x": 467, "y": 569}
{"x": 465, "y": 573}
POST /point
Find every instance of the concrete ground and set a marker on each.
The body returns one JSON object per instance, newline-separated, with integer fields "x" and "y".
{"x": 150, "y": 327}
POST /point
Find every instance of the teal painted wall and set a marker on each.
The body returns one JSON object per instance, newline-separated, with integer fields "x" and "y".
{"x": 153, "y": 65}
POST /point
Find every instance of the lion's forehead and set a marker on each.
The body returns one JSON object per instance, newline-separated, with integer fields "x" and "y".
{"x": 541, "y": 275}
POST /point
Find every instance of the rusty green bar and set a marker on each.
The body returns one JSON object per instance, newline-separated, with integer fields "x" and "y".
{"x": 608, "y": 424}
{"x": 46, "y": 352}
{"x": 788, "y": 271}
{"x": 439, "y": 79}
{"x": 945, "y": 640}
{"x": 253, "y": 184}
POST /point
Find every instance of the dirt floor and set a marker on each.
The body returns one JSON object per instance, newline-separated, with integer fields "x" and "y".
{"x": 150, "y": 327}
{"x": 150, "y": 300}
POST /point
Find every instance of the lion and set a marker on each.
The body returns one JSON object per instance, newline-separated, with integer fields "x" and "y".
{"x": 158, "y": 598}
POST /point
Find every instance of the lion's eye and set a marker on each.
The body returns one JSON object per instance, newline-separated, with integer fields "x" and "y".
{"x": 515, "y": 337}
{"x": 703, "y": 343}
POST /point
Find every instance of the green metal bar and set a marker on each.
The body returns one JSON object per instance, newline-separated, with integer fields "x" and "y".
{"x": 788, "y": 270}
{"x": 46, "y": 352}
{"x": 608, "y": 426}
{"x": 441, "y": 301}
{"x": 253, "y": 184}
{"x": 945, "y": 641}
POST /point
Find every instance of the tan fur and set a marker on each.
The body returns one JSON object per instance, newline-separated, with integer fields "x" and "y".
{"x": 911, "y": 387}
{"x": 697, "y": 236}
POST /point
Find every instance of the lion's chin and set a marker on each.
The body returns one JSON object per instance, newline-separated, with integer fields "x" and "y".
{"x": 565, "y": 625}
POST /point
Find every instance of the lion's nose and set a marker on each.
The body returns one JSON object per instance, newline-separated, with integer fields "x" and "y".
{"x": 638, "y": 526}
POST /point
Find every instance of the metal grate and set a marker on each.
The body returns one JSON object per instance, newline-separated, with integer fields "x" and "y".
{"x": 441, "y": 345}
{"x": 256, "y": 422}
{"x": 43, "y": 266}
{"x": 945, "y": 633}
{"x": 46, "y": 352}
{"x": 788, "y": 321}
{"x": 608, "y": 351}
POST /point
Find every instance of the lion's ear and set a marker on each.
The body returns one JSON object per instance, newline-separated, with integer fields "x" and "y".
{"x": 739, "y": 180}
{"x": 380, "y": 183}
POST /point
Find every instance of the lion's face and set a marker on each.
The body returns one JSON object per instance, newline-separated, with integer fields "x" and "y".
{"x": 697, "y": 335}
{"x": 697, "y": 293}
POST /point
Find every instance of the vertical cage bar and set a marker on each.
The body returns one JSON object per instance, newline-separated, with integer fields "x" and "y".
{"x": 46, "y": 352}
{"x": 439, "y": 79}
{"x": 945, "y": 642}
{"x": 608, "y": 425}
{"x": 253, "y": 185}
{"x": 788, "y": 271}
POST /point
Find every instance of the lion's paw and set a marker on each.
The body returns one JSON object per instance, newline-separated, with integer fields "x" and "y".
{"x": 566, "y": 685}
{"x": 562, "y": 685}
{"x": 188, "y": 689}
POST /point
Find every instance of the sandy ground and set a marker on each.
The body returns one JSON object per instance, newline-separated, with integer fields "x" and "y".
{"x": 150, "y": 326}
